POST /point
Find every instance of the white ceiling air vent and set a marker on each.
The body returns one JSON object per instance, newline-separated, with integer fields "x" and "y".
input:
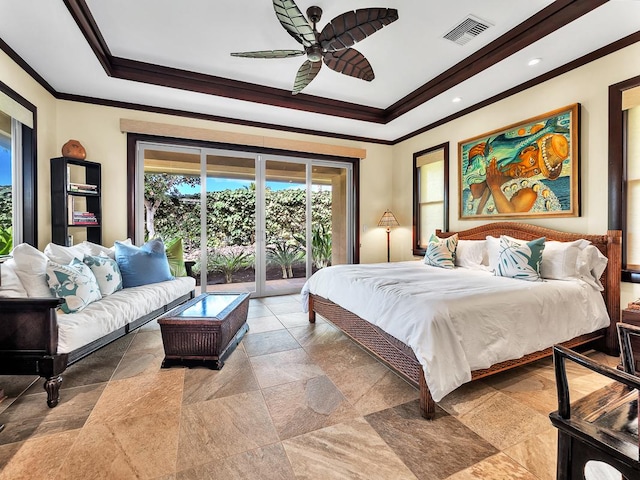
{"x": 467, "y": 30}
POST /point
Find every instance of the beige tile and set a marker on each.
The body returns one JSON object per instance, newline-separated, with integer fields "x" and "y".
{"x": 36, "y": 458}
{"x": 263, "y": 324}
{"x": 349, "y": 451}
{"x": 267, "y": 463}
{"x": 30, "y": 417}
{"x": 343, "y": 354}
{"x": 284, "y": 308}
{"x": 313, "y": 334}
{"x": 222, "y": 427}
{"x": 498, "y": 467}
{"x": 202, "y": 384}
{"x": 297, "y": 319}
{"x": 139, "y": 395}
{"x": 258, "y": 310}
{"x": 144, "y": 356}
{"x": 142, "y": 446}
{"x": 277, "y": 299}
{"x": 269, "y": 342}
{"x": 504, "y": 422}
{"x": 307, "y": 405}
{"x": 467, "y": 397}
{"x": 537, "y": 454}
{"x": 536, "y": 391}
{"x": 284, "y": 367}
{"x": 431, "y": 449}
{"x": 373, "y": 387}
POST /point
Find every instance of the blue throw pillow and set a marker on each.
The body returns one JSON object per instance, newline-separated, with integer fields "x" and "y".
{"x": 142, "y": 265}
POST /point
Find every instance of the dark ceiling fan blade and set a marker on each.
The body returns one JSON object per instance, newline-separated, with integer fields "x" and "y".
{"x": 269, "y": 54}
{"x": 306, "y": 73}
{"x": 349, "y": 62}
{"x": 351, "y": 27}
{"x": 294, "y": 22}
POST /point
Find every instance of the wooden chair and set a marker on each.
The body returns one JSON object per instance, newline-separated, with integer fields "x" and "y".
{"x": 603, "y": 426}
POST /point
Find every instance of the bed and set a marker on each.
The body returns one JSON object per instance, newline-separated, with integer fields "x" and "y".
{"x": 424, "y": 370}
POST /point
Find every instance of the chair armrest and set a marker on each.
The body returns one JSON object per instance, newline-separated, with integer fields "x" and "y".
{"x": 561, "y": 353}
{"x": 29, "y": 324}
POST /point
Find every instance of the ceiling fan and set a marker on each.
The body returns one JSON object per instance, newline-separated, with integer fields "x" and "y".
{"x": 331, "y": 45}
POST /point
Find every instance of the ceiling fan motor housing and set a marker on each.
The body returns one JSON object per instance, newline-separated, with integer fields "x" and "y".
{"x": 314, "y": 53}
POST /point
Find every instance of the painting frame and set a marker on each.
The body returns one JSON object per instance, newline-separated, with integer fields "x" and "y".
{"x": 528, "y": 169}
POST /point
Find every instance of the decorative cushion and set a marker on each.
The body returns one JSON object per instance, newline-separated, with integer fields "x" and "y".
{"x": 11, "y": 286}
{"x": 74, "y": 282}
{"x": 471, "y": 254}
{"x": 31, "y": 267}
{"x": 91, "y": 248}
{"x": 64, "y": 255}
{"x": 106, "y": 271}
{"x": 441, "y": 251}
{"x": 175, "y": 256}
{"x": 142, "y": 265}
{"x": 520, "y": 261}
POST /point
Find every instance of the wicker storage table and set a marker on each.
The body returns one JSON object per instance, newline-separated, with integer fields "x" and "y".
{"x": 205, "y": 330}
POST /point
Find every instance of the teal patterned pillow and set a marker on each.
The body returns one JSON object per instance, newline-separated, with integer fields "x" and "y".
{"x": 107, "y": 273}
{"x": 520, "y": 260}
{"x": 75, "y": 283}
{"x": 441, "y": 252}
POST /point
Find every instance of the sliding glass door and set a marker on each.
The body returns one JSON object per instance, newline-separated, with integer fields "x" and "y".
{"x": 247, "y": 220}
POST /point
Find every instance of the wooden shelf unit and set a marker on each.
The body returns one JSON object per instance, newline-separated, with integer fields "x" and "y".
{"x": 63, "y": 199}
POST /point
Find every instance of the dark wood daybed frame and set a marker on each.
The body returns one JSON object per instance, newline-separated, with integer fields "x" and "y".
{"x": 401, "y": 358}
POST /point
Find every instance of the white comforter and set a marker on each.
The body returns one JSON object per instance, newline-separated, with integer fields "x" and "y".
{"x": 461, "y": 320}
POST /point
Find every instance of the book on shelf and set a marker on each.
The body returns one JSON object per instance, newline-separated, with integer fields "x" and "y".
{"x": 83, "y": 218}
{"x": 82, "y": 188}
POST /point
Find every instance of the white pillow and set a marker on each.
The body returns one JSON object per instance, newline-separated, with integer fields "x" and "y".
{"x": 96, "y": 249}
{"x": 75, "y": 283}
{"x": 31, "y": 266}
{"x": 472, "y": 254}
{"x": 560, "y": 259}
{"x": 493, "y": 252}
{"x": 106, "y": 271}
{"x": 64, "y": 255}
{"x": 11, "y": 286}
{"x": 591, "y": 264}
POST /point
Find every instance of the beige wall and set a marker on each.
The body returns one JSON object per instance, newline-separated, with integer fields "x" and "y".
{"x": 386, "y": 173}
{"x": 98, "y": 129}
{"x": 587, "y": 85}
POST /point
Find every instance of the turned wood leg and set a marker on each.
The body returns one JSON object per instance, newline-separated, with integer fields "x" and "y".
{"x": 427, "y": 405}
{"x": 52, "y": 386}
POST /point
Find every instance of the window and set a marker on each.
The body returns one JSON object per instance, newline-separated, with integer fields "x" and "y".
{"x": 17, "y": 170}
{"x": 624, "y": 172}
{"x": 632, "y": 220}
{"x": 430, "y": 194}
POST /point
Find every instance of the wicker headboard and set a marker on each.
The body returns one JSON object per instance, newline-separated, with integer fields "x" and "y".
{"x": 610, "y": 245}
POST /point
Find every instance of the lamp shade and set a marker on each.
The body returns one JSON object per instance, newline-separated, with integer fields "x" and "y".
{"x": 388, "y": 220}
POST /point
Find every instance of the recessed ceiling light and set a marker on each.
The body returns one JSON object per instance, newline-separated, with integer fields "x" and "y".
{"x": 534, "y": 61}
{"x": 456, "y": 100}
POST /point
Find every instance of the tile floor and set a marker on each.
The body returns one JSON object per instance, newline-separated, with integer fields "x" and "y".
{"x": 294, "y": 400}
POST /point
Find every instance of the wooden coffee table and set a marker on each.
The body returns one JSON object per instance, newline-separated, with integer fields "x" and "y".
{"x": 204, "y": 330}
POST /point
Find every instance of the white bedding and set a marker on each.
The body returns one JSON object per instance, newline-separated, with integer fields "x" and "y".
{"x": 461, "y": 320}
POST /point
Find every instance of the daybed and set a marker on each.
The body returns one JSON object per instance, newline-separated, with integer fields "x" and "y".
{"x": 37, "y": 338}
{"x": 369, "y": 304}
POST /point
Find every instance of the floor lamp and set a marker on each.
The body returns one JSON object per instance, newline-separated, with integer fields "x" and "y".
{"x": 388, "y": 220}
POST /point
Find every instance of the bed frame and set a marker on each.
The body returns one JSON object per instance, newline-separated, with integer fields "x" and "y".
{"x": 401, "y": 358}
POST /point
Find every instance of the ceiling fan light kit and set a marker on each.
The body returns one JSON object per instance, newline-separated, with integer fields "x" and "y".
{"x": 332, "y": 45}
